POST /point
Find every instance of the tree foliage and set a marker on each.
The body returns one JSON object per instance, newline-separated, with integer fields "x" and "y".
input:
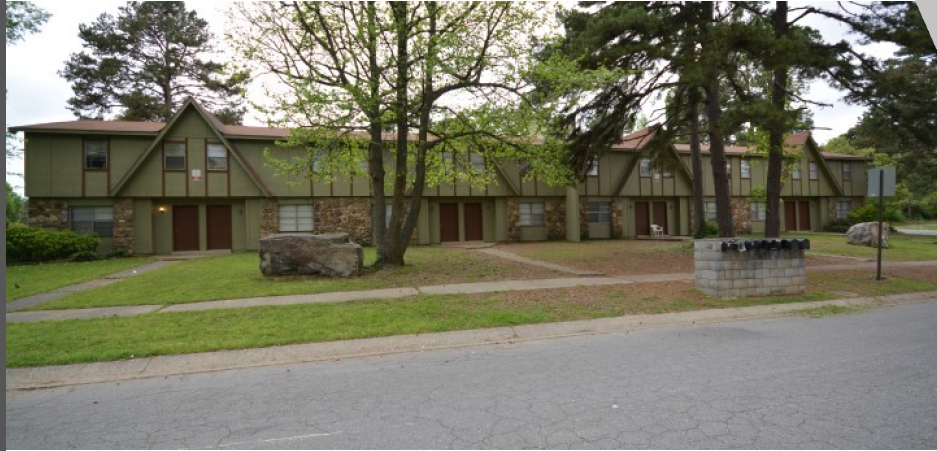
{"x": 447, "y": 79}
{"x": 16, "y": 204}
{"x": 23, "y": 18}
{"x": 145, "y": 62}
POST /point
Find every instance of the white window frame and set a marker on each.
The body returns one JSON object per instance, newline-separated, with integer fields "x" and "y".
{"x": 843, "y": 207}
{"x": 759, "y": 210}
{"x": 709, "y": 210}
{"x": 289, "y": 218}
{"x": 644, "y": 168}
{"x": 745, "y": 169}
{"x": 98, "y": 220}
{"x": 599, "y": 212}
{"x": 532, "y": 214}
{"x": 221, "y": 155}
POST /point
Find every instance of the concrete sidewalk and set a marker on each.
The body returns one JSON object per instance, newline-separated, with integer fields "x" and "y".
{"x": 164, "y": 366}
{"x": 397, "y": 293}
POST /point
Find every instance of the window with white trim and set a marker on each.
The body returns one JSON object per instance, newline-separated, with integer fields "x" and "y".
{"x": 532, "y": 214}
{"x": 759, "y": 211}
{"x": 599, "y": 213}
{"x": 95, "y": 220}
{"x": 709, "y": 210}
{"x": 843, "y": 207}
{"x": 217, "y": 157}
{"x": 296, "y": 218}
{"x": 95, "y": 154}
{"x": 174, "y": 156}
{"x": 812, "y": 167}
{"x": 644, "y": 168}
{"x": 746, "y": 169}
{"x": 593, "y": 169}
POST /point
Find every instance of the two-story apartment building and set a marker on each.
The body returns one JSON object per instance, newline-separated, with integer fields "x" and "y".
{"x": 193, "y": 183}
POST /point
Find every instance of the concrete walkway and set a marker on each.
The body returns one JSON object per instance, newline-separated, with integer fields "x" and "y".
{"x": 42, "y": 298}
{"x": 397, "y": 293}
{"x": 529, "y": 261}
{"x": 164, "y": 366}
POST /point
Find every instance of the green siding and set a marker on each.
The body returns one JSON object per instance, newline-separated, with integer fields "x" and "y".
{"x": 143, "y": 212}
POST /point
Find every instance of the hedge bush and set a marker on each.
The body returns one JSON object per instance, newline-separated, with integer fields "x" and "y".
{"x": 869, "y": 213}
{"x": 34, "y": 244}
{"x": 838, "y": 226}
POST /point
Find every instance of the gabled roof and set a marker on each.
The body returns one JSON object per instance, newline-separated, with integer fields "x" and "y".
{"x": 213, "y": 124}
{"x": 93, "y": 126}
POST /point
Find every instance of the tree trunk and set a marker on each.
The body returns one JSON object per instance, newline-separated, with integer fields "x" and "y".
{"x": 396, "y": 243}
{"x": 776, "y": 131}
{"x": 696, "y": 161}
{"x": 376, "y": 146}
{"x": 717, "y": 141}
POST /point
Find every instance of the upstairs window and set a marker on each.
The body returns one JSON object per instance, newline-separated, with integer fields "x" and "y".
{"x": 478, "y": 162}
{"x": 593, "y": 170}
{"x": 174, "y": 156}
{"x": 644, "y": 169}
{"x": 526, "y": 168}
{"x": 95, "y": 154}
{"x": 599, "y": 213}
{"x": 532, "y": 214}
{"x": 746, "y": 170}
{"x": 795, "y": 171}
{"x": 296, "y": 218}
{"x": 95, "y": 220}
{"x": 217, "y": 157}
{"x": 847, "y": 172}
{"x": 812, "y": 167}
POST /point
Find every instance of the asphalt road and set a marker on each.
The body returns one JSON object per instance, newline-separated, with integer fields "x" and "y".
{"x": 860, "y": 380}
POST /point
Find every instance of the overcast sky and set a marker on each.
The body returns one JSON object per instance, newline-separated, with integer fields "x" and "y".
{"x": 37, "y": 94}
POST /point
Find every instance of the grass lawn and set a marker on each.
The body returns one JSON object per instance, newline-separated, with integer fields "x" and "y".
{"x": 27, "y": 280}
{"x": 612, "y": 256}
{"x": 61, "y": 342}
{"x": 903, "y": 247}
{"x": 238, "y": 276}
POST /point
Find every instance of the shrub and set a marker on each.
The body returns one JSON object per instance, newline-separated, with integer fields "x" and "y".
{"x": 837, "y": 225}
{"x": 710, "y": 229}
{"x": 119, "y": 253}
{"x": 34, "y": 244}
{"x": 869, "y": 213}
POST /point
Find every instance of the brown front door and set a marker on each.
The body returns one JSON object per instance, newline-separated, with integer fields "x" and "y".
{"x": 448, "y": 222}
{"x": 219, "y": 226}
{"x": 804, "y": 217}
{"x": 185, "y": 228}
{"x": 641, "y": 215}
{"x": 790, "y": 215}
{"x": 473, "y": 222}
{"x": 660, "y": 215}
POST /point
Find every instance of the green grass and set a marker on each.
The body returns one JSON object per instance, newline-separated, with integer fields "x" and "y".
{"x": 827, "y": 310}
{"x": 903, "y": 247}
{"x": 918, "y": 227}
{"x": 238, "y": 276}
{"x": 108, "y": 339}
{"x": 27, "y": 280}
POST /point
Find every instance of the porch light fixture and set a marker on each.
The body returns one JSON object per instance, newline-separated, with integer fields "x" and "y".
{"x": 161, "y": 210}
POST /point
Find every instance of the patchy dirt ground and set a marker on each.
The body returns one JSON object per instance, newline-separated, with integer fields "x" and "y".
{"x": 621, "y": 257}
{"x": 641, "y": 298}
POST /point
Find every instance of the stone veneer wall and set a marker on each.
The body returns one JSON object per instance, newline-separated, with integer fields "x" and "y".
{"x": 752, "y": 273}
{"x": 269, "y": 217}
{"x": 554, "y": 215}
{"x": 583, "y": 218}
{"x": 514, "y": 219}
{"x": 123, "y": 225}
{"x": 344, "y": 215}
{"x": 48, "y": 213}
{"x": 742, "y": 214}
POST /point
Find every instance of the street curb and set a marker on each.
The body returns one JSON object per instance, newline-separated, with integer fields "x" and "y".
{"x": 163, "y": 366}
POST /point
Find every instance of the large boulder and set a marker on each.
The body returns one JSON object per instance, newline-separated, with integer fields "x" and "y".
{"x": 332, "y": 255}
{"x": 866, "y": 233}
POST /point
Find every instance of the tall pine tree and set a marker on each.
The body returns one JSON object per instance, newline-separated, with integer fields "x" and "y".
{"x": 145, "y": 62}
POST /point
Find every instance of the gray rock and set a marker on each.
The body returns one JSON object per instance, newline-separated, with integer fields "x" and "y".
{"x": 332, "y": 255}
{"x": 866, "y": 233}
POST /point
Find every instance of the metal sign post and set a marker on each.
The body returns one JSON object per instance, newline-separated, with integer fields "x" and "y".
{"x": 881, "y": 184}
